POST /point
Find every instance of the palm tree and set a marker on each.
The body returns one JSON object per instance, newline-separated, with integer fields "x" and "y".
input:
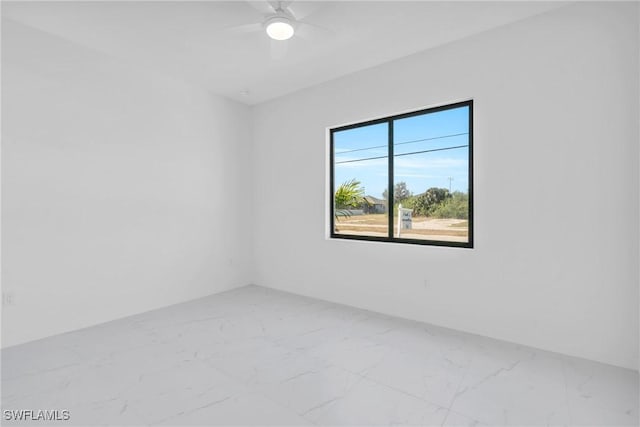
{"x": 350, "y": 194}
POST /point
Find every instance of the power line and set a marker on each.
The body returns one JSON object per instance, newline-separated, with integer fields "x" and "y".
{"x": 361, "y": 160}
{"x": 405, "y": 142}
{"x": 363, "y": 149}
{"x": 402, "y": 154}
{"x": 429, "y": 151}
{"x": 429, "y": 139}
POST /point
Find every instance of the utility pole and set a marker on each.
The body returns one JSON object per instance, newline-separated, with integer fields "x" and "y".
{"x": 450, "y": 179}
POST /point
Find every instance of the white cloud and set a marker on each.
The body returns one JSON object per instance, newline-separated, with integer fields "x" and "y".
{"x": 375, "y": 163}
{"x": 417, "y": 175}
{"x": 439, "y": 163}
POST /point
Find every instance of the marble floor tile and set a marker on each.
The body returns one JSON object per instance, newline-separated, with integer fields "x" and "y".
{"x": 427, "y": 376}
{"x": 357, "y": 355}
{"x": 256, "y": 356}
{"x": 528, "y": 391}
{"x": 457, "y": 420}
{"x": 248, "y": 409}
{"x": 368, "y": 403}
{"x": 313, "y": 388}
{"x": 599, "y": 393}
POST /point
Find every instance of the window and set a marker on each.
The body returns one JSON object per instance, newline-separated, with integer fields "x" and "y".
{"x": 425, "y": 158}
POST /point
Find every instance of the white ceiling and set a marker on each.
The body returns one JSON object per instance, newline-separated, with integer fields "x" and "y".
{"x": 191, "y": 40}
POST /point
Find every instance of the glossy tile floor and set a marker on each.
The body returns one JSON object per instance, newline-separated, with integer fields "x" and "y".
{"x": 254, "y": 356}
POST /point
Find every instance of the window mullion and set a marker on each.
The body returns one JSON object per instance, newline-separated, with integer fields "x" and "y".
{"x": 390, "y": 184}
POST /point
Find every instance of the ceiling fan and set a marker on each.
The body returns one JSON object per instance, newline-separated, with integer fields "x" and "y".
{"x": 281, "y": 20}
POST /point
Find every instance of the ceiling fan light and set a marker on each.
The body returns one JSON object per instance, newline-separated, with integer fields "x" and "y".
{"x": 279, "y": 29}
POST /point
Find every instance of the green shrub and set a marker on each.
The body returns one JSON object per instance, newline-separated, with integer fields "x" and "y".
{"x": 424, "y": 204}
{"x": 456, "y": 206}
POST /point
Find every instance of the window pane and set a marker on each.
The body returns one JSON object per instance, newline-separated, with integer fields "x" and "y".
{"x": 360, "y": 176}
{"x": 431, "y": 176}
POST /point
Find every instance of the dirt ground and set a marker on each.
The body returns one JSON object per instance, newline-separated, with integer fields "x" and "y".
{"x": 455, "y": 230}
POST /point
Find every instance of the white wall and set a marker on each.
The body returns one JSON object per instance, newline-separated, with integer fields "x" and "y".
{"x": 556, "y": 187}
{"x": 118, "y": 188}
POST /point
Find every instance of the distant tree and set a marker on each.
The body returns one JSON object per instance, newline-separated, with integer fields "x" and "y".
{"x": 436, "y": 195}
{"x": 401, "y": 192}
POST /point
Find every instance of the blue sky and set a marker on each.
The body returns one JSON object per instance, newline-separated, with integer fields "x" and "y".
{"x": 442, "y": 129}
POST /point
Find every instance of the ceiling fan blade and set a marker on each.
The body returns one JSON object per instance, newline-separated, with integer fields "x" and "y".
{"x": 306, "y": 30}
{"x": 264, "y": 7}
{"x": 283, "y": 4}
{"x": 243, "y": 29}
{"x": 279, "y": 49}
{"x": 303, "y": 9}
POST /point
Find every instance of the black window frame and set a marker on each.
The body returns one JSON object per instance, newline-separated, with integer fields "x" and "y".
{"x": 391, "y": 238}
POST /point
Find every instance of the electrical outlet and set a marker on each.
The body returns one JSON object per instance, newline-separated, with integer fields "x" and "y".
{"x": 8, "y": 298}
